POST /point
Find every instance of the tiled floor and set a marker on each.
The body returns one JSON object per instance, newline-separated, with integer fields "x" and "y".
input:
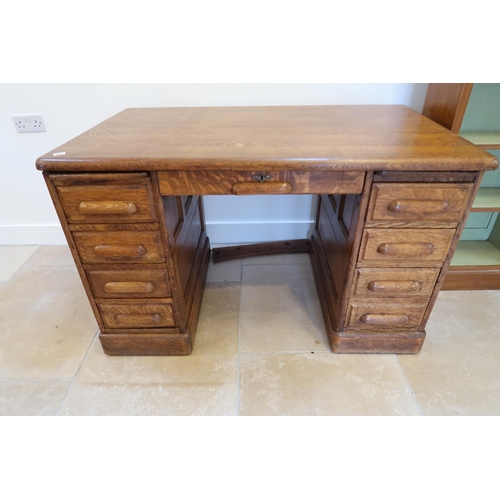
{"x": 261, "y": 349}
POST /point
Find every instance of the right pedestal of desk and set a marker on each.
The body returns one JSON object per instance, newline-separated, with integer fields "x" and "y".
{"x": 380, "y": 257}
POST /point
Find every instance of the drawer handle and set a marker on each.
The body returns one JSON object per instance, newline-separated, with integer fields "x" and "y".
{"x": 120, "y": 250}
{"x": 394, "y": 286}
{"x": 384, "y": 319}
{"x": 243, "y": 188}
{"x": 418, "y": 207}
{"x": 107, "y": 207}
{"x": 129, "y": 287}
{"x": 138, "y": 319}
{"x": 405, "y": 249}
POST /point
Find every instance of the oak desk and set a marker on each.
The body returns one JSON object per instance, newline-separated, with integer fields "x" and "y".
{"x": 395, "y": 190}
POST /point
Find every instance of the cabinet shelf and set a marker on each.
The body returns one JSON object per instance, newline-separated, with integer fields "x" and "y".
{"x": 486, "y": 139}
{"x": 476, "y": 253}
{"x": 487, "y": 200}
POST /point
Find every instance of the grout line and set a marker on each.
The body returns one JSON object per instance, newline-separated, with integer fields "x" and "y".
{"x": 413, "y": 395}
{"x": 4, "y": 380}
{"x": 239, "y": 342}
{"x": 24, "y": 263}
{"x": 288, "y": 352}
{"x": 77, "y": 372}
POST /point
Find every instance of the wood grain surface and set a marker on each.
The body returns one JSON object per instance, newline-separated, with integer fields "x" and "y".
{"x": 421, "y": 202}
{"x": 119, "y": 246}
{"x": 222, "y": 182}
{"x": 386, "y": 315}
{"x": 395, "y": 282}
{"x": 405, "y": 247}
{"x": 129, "y": 282}
{"x": 445, "y": 103}
{"x": 375, "y": 137}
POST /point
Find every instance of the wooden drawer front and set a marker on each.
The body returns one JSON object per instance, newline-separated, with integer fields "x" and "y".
{"x": 395, "y": 282}
{"x": 136, "y": 314}
{"x": 129, "y": 283}
{"x": 111, "y": 203}
{"x": 224, "y": 182}
{"x": 119, "y": 246}
{"x": 418, "y": 202}
{"x": 385, "y": 316}
{"x": 408, "y": 246}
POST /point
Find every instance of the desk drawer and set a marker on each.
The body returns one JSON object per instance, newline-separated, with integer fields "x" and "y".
{"x": 418, "y": 202}
{"x": 372, "y": 283}
{"x": 136, "y": 314}
{"x": 129, "y": 283}
{"x": 119, "y": 246}
{"x": 108, "y": 200}
{"x": 259, "y": 182}
{"x": 410, "y": 247}
{"x": 385, "y": 316}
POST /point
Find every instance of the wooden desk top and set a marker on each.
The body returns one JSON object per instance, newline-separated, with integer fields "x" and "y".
{"x": 268, "y": 138}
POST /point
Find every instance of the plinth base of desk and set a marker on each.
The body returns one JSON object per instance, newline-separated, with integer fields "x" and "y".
{"x": 376, "y": 342}
{"x": 146, "y": 344}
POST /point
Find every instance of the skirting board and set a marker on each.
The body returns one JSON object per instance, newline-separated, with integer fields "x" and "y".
{"x": 219, "y": 233}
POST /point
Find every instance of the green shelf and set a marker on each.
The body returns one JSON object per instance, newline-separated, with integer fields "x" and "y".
{"x": 487, "y": 200}
{"x": 487, "y": 139}
{"x": 476, "y": 253}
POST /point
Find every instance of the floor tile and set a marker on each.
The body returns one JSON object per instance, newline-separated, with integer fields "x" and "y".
{"x": 280, "y": 310}
{"x": 323, "y": 384}
{"x": 55, "y": 255}
{"x": 203, "y": 383}
{"x": 458, "y": 369}
{"x": 2, "y": 283}
{"x": 286, "y": 258}
{"x": 229, "y": 271}
{"x": 31, "y": 397}
{"x": 46, "y": 324}
{"x": 12, "y": 259}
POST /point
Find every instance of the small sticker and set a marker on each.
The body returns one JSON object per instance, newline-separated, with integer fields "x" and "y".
{"x": 59, "y": 154}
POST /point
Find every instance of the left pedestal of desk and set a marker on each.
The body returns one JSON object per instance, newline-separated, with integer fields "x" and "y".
{"x": 142, "y": 258}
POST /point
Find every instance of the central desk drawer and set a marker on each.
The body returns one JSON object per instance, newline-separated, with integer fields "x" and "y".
{"x": 119, "y": 246}
{"x": 260, "y": 182}
{"x": 128, "y": 283}
{"x": 410, "y": 247}
{"x": 136, "y": 314}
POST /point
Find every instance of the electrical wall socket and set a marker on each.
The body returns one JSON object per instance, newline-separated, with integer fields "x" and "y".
{"x": 29, "y": 123}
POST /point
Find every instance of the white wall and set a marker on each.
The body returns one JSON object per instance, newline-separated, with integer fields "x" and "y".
{"x": 26, "y": 212}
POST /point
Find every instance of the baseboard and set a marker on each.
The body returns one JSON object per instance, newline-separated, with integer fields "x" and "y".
{"x": 234, "y": 234}
{"x": 219, "y": 233}
{"x": 32, "y": 235}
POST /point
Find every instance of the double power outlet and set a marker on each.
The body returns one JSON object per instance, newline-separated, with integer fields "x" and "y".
{"x": 29, "y": 123}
